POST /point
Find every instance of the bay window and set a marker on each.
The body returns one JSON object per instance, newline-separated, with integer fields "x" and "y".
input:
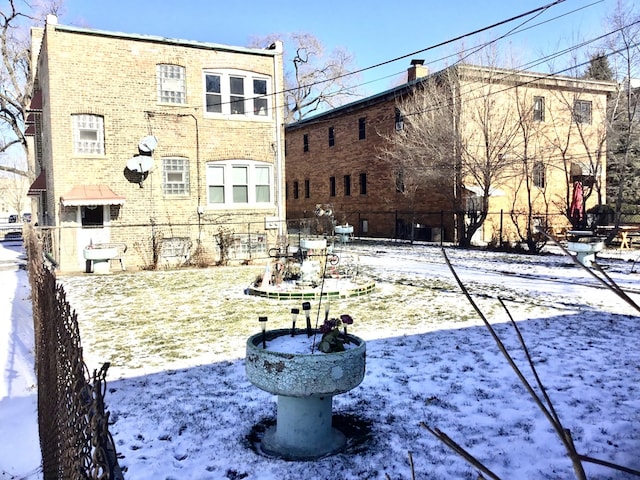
{"x": 239, "y": 183}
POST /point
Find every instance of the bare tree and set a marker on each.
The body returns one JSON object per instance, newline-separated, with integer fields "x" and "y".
{"x": 316, "y": 80}
{"x": 491, "y": 128}
{"x": 16, "y": 82}
{"x": 530, "y": 203}
{"x": 421, "y": 152}
{"x": 624, "y": 134}
{"x": 16, "y": 191}
{"x": 436, "y": 147}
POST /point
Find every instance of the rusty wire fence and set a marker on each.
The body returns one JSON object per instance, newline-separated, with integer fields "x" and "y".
{"x": 73, "y": 423}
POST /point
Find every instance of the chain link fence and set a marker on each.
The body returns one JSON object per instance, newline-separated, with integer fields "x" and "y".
{"x": 73, "y": 424}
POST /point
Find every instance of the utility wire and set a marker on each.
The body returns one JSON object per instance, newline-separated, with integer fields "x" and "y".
{"x": 538, "y": 11}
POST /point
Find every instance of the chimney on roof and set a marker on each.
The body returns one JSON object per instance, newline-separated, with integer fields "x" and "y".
{"x": 417, "y": 70}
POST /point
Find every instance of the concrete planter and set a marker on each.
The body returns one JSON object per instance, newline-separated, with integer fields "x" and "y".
{"x": 585, "y": 250}
{"x": 344, "y": 229}
{"x": 343, "y": 232}
{"x": 313, "y": 244}
{"x": 305, "y": 385}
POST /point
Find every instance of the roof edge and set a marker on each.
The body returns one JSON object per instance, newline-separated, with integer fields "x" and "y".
{"x": 267, "y": 52}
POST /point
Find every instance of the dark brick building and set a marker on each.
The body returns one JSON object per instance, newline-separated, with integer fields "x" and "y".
{"x": 333, "y": 159}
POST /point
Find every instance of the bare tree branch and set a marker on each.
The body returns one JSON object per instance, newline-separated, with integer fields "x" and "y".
{"x": 16, "y": 80}
{"x": 318, "y": 80}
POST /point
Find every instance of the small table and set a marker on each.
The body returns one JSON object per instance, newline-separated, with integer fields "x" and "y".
{"x": 623, "y": 234}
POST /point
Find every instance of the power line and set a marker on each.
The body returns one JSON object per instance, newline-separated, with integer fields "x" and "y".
{"x": 511, "y": 32}
{"x": 537, "y": 11}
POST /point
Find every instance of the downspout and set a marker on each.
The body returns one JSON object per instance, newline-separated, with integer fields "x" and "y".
{"x": 199, "y": 207}
{"x": 278, "y": 143}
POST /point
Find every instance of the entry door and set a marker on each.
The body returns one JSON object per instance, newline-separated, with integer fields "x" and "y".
{"x": 94, "y": 228}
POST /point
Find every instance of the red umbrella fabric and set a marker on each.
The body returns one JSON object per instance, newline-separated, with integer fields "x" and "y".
{"x": 576, "y": 211}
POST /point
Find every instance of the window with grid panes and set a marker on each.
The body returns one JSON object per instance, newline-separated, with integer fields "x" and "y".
{"x": 538, "y": 109}
{"x": 538, "y": 175}
{"x": 171, "y": 84}
{"x": 582, "y": 111}
{"x": 175, "y": 176}
{"x": 88, "y": 134}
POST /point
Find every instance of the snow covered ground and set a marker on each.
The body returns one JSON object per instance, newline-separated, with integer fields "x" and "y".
{"x": 19, "y": 446}
{"x": 182, "y": 407}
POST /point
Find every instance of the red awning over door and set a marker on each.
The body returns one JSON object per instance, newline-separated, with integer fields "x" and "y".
{"x": 81, "y": 195}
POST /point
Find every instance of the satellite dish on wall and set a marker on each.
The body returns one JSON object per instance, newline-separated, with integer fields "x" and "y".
{"x": 148, "y": 144}
{"x": 140, "y": 164}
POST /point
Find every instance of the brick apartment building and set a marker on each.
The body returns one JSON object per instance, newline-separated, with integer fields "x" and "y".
{"x": 145, "y": 141}
{"x": 335, "y": 159}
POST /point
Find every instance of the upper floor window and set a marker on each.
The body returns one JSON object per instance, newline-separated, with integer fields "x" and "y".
{"x": 582, "y": 111}
{"x": 363, "y": 184}
{"x": 305, "y": 142}
{"x": 296, "y": 189}
{"x": 362, "y": 128}
{"x": 332, "y": 186}
{"x": 175, "y": 176}
{"x": 332, "y": 137}
{"x": 538, "y": 109}
{"x": 399, "y": 119}
{"x": 236, "y": 93}
{"x": 538, "y": 174}
{"x": 400, "y": 186}
{"x": 307, "y": 188}
{"x": 347, "y": 185}
{"x": 238, "y": 182}
{"x": 88, "y": 134}
{"x": 171, "y": 83}
{"x": 260, "y": 103}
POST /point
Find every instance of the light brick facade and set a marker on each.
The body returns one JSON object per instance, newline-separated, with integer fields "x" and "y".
{"x": 381, "y": 211}
{"x": 115, "y": 77}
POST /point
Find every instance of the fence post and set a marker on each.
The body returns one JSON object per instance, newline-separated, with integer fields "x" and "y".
{"x": 395, "y": 226}
{"x": 501, "y": 213}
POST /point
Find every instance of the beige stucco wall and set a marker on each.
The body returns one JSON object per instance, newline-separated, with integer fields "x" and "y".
{"x": 506, "y": 98}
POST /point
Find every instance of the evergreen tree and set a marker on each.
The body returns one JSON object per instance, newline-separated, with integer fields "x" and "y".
{"x": 599, "y": 68}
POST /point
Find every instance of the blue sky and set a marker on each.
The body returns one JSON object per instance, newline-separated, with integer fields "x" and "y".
{"x": 374, "y": 31}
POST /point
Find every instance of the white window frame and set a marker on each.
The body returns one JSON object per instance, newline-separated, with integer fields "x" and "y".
{"x": 171, "y": 167}
{"x": 255, "y": 175}
{"x": 88, "y": 134}
{"x": 253, "y": 103}
{"x": 172, "y": 85}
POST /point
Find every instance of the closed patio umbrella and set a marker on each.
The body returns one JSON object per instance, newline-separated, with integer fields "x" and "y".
{"x": 576, "y": 210}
